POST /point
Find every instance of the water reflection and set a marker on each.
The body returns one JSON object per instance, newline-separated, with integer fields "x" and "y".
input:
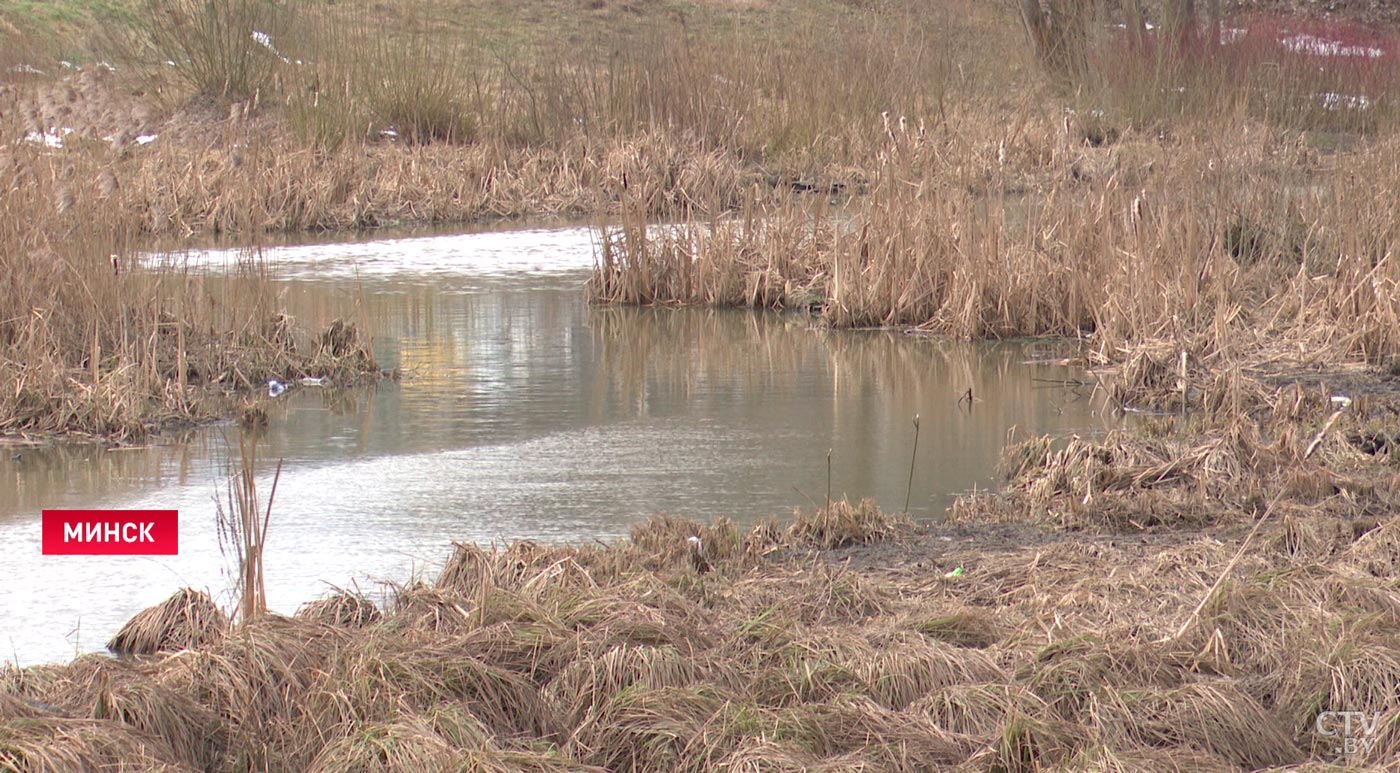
{"x": 526, "y": 413}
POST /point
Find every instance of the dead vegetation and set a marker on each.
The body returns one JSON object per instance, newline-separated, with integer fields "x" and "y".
{"x": 1141, "y": 257}
{"x": 1289, "y": 455}
{"x": 1069, "y": 655}
{"x": 1203, "y": 260}
{"x": 100, "y": 339}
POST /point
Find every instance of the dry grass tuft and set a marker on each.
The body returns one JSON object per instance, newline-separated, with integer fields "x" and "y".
{"x": 343, "y": 608}
{"x": 1218, "y": 718}
{"x": 53, "y": 745}
{"x": 841, "y": 524}
{"x": 971, "y": 627}
{"x": 187, "y": 620}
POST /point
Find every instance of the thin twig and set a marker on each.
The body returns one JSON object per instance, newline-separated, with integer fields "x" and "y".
{"x": 1220, "y": 581}
{"x": 1317, "y": 441}
{"x": 910, "y": 488}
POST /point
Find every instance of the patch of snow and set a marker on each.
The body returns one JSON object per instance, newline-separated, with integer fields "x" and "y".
{"x": 26, "y": 69}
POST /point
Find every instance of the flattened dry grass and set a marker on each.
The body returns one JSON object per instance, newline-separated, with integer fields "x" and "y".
{"x": 1068, "y": 653}
{"x": 187, "y": 620}
{"x": 1243, "y": 447}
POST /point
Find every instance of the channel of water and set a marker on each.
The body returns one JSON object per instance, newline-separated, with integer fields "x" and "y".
{"x": 523, "y": 413}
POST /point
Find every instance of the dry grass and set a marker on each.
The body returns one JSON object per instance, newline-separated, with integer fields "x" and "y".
{"x": 1147, "y": 250}
{"x": 96, "y": 340}
{"x": 1153, "y": 230}
{"x": 627, "y": 657}
{"x": 997, "y": 206}
{"x": 1284, "y": 451}
{"x": 187, "y": 620}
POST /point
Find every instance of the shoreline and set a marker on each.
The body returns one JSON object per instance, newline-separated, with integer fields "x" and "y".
{"x": 844, "y": 638}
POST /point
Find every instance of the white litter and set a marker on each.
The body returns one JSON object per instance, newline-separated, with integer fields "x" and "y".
{"x": 1311, "y": 44}
{"x": 265, "y": 40}
{"x": 1334, "y": 101}
{"x": 52, "y": 138}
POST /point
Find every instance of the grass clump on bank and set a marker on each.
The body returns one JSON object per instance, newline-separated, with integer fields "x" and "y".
{"x": 98, "y": 339}
{"x": 1047, "y": 655}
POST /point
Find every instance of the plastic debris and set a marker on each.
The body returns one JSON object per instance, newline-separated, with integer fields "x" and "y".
{"x": 275, "y": 388}
{"x": 1311, "y": 44}
{"x": 955, "y": 573}
{"x": 265, "y": 40}
{"x": 313, "y": 381}
{"x": 50, "y": 139}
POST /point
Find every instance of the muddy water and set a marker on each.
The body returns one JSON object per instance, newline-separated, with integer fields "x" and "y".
{"x": 524, "y": 413}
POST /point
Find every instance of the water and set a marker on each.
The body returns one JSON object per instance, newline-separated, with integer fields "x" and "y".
{"x": 524, "y": 413}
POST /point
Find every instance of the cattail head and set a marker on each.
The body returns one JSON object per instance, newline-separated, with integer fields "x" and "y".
{"x": 1140, "y": 208}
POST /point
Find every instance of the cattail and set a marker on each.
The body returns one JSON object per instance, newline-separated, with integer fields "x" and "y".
{"x": 1140, "y": 208}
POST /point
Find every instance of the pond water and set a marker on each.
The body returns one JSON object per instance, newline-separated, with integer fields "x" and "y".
{"x": 523, "y": 413}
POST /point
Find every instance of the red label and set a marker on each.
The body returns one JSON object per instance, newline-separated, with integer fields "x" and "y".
{"x": 111, "y": 532}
